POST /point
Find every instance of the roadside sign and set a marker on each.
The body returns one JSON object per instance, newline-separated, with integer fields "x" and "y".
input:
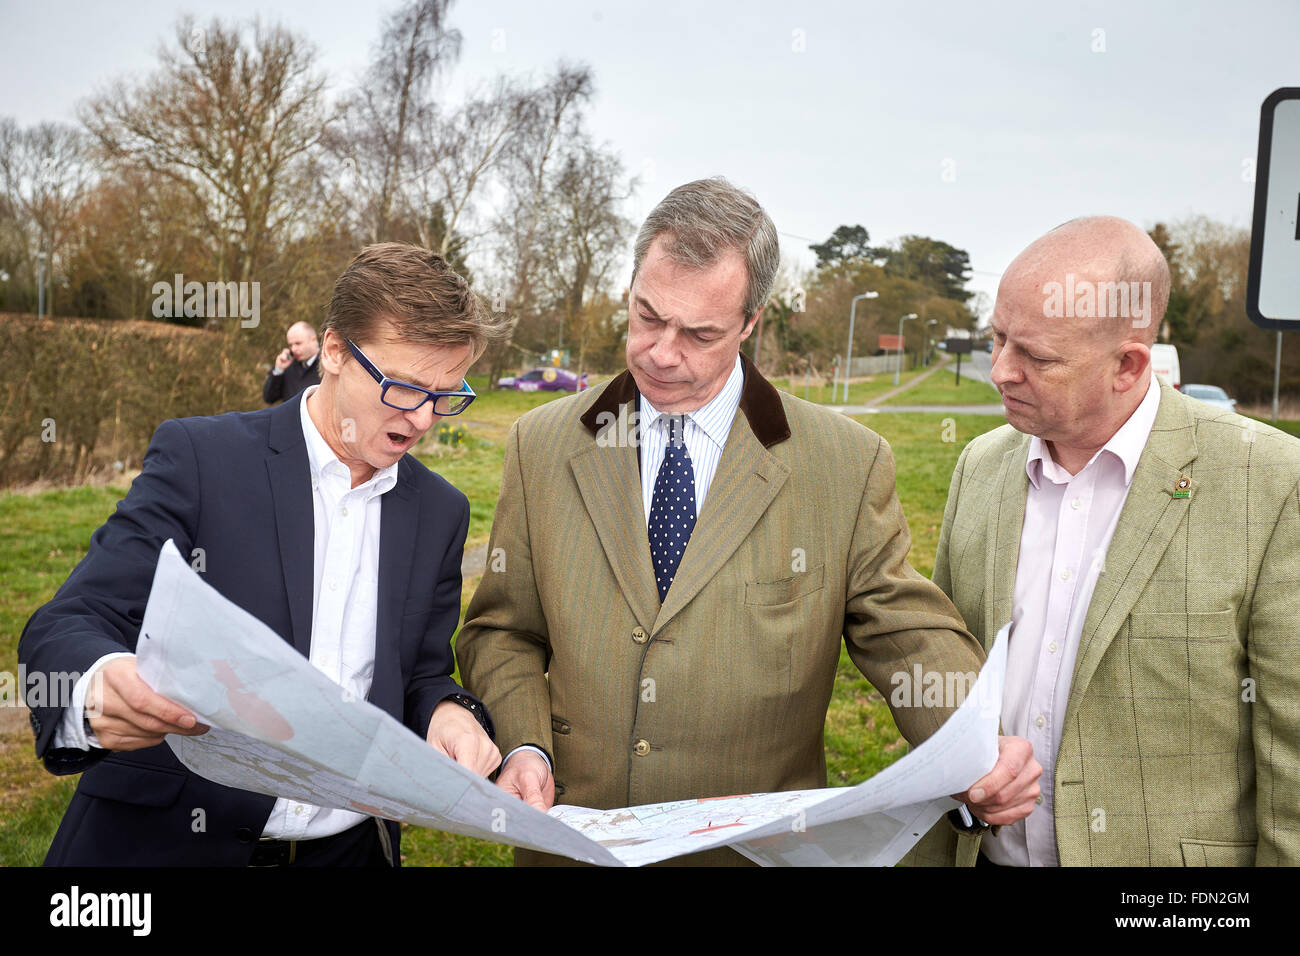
{"x": 1273, "y": 284}
{"x": 959, "y": 347}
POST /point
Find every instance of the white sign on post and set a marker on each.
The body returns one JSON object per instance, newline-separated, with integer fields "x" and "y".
{"x": 1273, "y": 286}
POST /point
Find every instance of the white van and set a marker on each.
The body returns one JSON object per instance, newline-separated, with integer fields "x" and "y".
{"x": 1164, "y": 362}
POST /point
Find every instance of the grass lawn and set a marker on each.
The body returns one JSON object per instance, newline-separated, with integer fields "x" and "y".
{"x": 860, "y": 392}
{"x": 861, "y": 738}
{"x": 941, "y": 388}
{"x": 41, "y": 538}
{"x": 475, "y": 466}
{"x": 43, "y": 535}
{"x": 1290, "y": 427}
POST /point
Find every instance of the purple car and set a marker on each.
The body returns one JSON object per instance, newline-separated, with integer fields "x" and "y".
{"x": 544, "y": 380}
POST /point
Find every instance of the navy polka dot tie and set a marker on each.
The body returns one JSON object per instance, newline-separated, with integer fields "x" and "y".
{"x": 672, "y": 509}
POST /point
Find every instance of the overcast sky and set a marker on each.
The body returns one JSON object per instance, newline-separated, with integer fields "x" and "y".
{"x": 980, "y": 124}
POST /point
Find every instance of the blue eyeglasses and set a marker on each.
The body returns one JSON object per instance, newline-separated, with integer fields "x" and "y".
{"x": 409, "y": 397}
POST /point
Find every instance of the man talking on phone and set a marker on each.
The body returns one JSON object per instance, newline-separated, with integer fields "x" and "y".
{"x": 295, "y": 367}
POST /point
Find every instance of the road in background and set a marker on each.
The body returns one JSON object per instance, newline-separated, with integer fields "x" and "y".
{"x": 978, "y": 365}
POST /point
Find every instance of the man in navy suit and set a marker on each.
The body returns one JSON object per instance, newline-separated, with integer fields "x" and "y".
{"x": 312, "y": 517}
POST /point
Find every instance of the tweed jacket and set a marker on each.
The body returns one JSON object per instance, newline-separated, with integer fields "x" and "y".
{"x": 1181, "y": 742}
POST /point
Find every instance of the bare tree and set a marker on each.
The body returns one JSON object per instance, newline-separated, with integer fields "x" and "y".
{"x": 587, "y": 232}
{"x": 45, "y": 176}
{"x": 455, "y": 154}
{"x": 380, "y": 119}
{"x": 551, "y": 118}
{"x": 234, "y": 121}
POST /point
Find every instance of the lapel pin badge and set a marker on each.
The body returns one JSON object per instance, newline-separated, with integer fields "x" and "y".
{"x": 1183, "y": 487}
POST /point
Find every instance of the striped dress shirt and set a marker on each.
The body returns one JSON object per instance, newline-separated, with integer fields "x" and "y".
{"x": 706, "y": 435}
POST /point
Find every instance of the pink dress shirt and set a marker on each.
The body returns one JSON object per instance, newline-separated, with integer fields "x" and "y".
{"x": 1069, "y": 521}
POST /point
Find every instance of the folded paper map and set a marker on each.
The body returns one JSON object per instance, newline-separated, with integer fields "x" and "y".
{"x": 281, "y": 727}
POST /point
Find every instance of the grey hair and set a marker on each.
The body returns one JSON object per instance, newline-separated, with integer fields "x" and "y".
{"x": 706, "y": 218}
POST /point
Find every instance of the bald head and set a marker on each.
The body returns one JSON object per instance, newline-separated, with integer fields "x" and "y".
{"x": 1076, "y": 315}
{"x": 302, "y": 341}
{"x": 1102, "y": 272}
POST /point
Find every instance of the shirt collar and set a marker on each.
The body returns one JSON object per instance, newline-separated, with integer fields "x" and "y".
{"x": 715, "y": 417}
{"x": 323, "y": 461}
{"x": 1125, "y": 445}
{"x": 312, "y": 361}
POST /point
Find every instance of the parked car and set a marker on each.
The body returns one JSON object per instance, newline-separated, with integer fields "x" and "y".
{"x": 1211, "y": 394}
{"x": 1164, "y": 362}
{"x": 544, "y": 380}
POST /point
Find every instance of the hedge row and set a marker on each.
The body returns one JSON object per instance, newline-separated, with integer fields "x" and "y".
{"x": 79, "y": 396}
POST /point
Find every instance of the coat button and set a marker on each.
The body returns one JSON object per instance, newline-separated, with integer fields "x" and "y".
{"x": 639, "y": 635}
{"x": 244, "y": 835}
{"x": 642, "y": 748}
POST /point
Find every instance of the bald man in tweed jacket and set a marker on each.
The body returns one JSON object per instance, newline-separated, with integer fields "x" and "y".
{"x": 1179, "y": 736}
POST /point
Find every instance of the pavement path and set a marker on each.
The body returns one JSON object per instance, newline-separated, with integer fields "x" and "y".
{"x": 894, "y": 391}
{"x": 13, "y": 719}
{"x": 474, "y": 561}
{"x": 977, "y": 365}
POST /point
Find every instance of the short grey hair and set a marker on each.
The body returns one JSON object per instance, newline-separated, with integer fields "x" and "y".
{"x": 706, "y": 218}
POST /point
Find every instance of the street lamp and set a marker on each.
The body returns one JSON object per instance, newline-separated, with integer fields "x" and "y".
{"x": 929, "y": 342}
{"x": 899, "y": 366}
{"x": 848, "y": 356}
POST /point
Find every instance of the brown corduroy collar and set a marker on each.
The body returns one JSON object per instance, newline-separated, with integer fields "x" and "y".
{"x": 759, "y": 400}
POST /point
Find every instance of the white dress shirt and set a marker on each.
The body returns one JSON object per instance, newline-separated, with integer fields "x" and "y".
{"x": 705, "y": 435}
{"x": 1069, "y": 521}
{"x": 345, "y": 599}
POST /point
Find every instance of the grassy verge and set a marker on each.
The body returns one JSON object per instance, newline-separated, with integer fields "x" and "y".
{"x": 1290, "y": 427}
{"x": 942, "y": 388}
{"x": 925, "y": 460}
{"x": 42, "y": 537}
{"x": 860, "y": 392}
{"x": 475, "y": 467}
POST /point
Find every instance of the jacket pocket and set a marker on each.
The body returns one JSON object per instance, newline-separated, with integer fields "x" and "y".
{"x": 1177, "y": 661}
{"x": 787, "y": 590}
{"x": 1209, "y": 626}
{"x": 1217, "y": 853}
{"x": 113, "y": 779}
{"x": 562, "y": 728}
{"x": 1173, "y": 651}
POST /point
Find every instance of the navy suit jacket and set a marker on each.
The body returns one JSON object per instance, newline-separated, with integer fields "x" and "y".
{"x": 238, "y": 486}
{"x": 294, "y": 379}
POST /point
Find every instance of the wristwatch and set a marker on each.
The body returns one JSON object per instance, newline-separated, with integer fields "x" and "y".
{"x": 475, "y": 708}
